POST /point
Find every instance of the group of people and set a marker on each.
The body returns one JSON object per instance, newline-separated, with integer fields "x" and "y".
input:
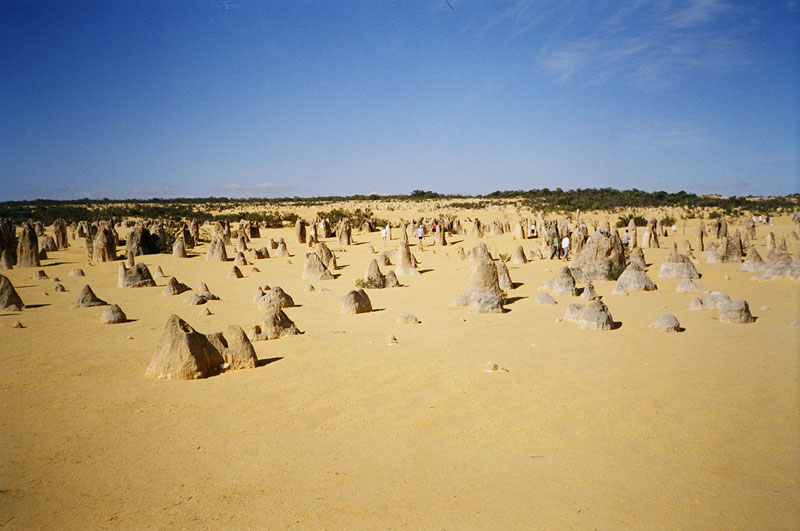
{"x": 420, "y": 232}
{"x": 560, "y": 248}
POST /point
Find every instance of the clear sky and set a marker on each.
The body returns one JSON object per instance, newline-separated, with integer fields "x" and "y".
{"x": 240, "y": 98}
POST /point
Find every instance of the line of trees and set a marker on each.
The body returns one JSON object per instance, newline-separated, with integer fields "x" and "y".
{"x": 48, "y": 210}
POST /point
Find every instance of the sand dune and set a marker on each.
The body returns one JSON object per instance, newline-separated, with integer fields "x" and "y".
{"x": 629, "y": 428}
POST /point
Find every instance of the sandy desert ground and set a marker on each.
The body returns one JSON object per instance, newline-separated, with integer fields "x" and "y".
{"x": 630, "y": 428}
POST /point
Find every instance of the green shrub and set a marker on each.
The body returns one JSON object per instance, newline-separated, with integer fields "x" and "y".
{"x": 165, "y": 240}
{"x": 367, "y": 284}
{"x": 639, "y": 221}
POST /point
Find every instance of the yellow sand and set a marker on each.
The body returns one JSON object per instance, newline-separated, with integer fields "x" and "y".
{"x": 631, "y": 428}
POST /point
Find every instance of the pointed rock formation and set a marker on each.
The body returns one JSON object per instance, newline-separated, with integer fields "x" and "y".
{"x": 9, "y": 299}
{"x": 136, "y": 277}
{"x": 593, "y": 316}
{"x": 601, "y": 258}
{"x": 60, "y": 232}
{"x": 275, "y": 297}
{"x": 48, "y": 244}
{"x": 780, "y": 270}
{"x": 28, "y": 247}
{"x": 179, "y": 248}
{"x": 6, "y": 259}
{"x": 483, "y": 293}
{"x": 241, "y": 244}
{"x": 779, "y": 254}
{"x": 637, "y": 258}
{"x": 235, "y": 273}
{"x": 356, "y": 301}
{"x": 314, "y": 269}
{"x": 182, "y": 353}
{"x": 561, "y": 284}
{"x": 391, "y": 280}
{"x": 650, "y": 235}
{"x": 503, "y": 276}
{"x": 239, "y": 352}
{"x": 736, "y": 312}
{"x": 635, "y": 279}
{"x": 139, "y": 241}
{"x": 282, "y": 250}
{"x": 104, "y": 247}
{"x": 687, "y": 286}
{"x": 518, "y": 257}
{"x": 729, "y": 251}
{"x": 300, "y": 231}
{"x": 113, "y": 315}
{"x": 479, "y": 253}
{"x": 216, "y": 251}
{"x": 753, "y": 262}
{"x": 274, "y": 325}
{"x": 405, "y": 261}
{"x": 87, "y": 298}
{"x": 439, "y": 237}
{"x": 545, "y": 299}
{"x": 344, "y": 233}
{"x": 174, "y": 287}
{"x": 677, "y": 266}
{"x": 373, "y": 278}
{"x": 589, "y": 294}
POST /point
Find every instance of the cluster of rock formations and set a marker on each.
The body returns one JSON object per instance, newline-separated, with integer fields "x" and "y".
{"x": 182, "y": 353}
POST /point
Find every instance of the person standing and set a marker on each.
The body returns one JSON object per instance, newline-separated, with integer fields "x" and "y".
{"x": 383, "y": 236}
{"x": 565, "y": 247}
{"x": 420, "y": 234}
{"x": 555, "y": 248}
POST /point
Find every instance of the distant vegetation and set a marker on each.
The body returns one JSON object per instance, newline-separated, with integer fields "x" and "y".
{"x": 267, "y": 211}
{"x": 624, "y": 221}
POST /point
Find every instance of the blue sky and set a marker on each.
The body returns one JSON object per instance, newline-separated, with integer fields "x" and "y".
{"x": 240, "y": 98}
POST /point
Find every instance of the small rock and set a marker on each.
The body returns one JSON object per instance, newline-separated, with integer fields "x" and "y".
{"x": 764, "y": 308}
{"x": 796, "y": 322}
{"x": 205, "y": 311}
{"x": 666, "y": 323}
{"x": 59, "y": 288}
{"x": 493, "y": 367}
{"x": 391, "y": 341}
{"x": 17, "y": 324}
{"x": 310, "y": 287}
{"x": 544, "y": 298}
{"x": 130, "y": 337}
{"x": 407, "y": 318}
{"x": 727, "y": 277}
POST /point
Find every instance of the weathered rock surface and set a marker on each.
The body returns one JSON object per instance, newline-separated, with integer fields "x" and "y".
{"x": 113, "y": 315}
{"x": 356, "y": 301}
{"x": 182, "y": 353}
{"x": 483, "y": 293}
